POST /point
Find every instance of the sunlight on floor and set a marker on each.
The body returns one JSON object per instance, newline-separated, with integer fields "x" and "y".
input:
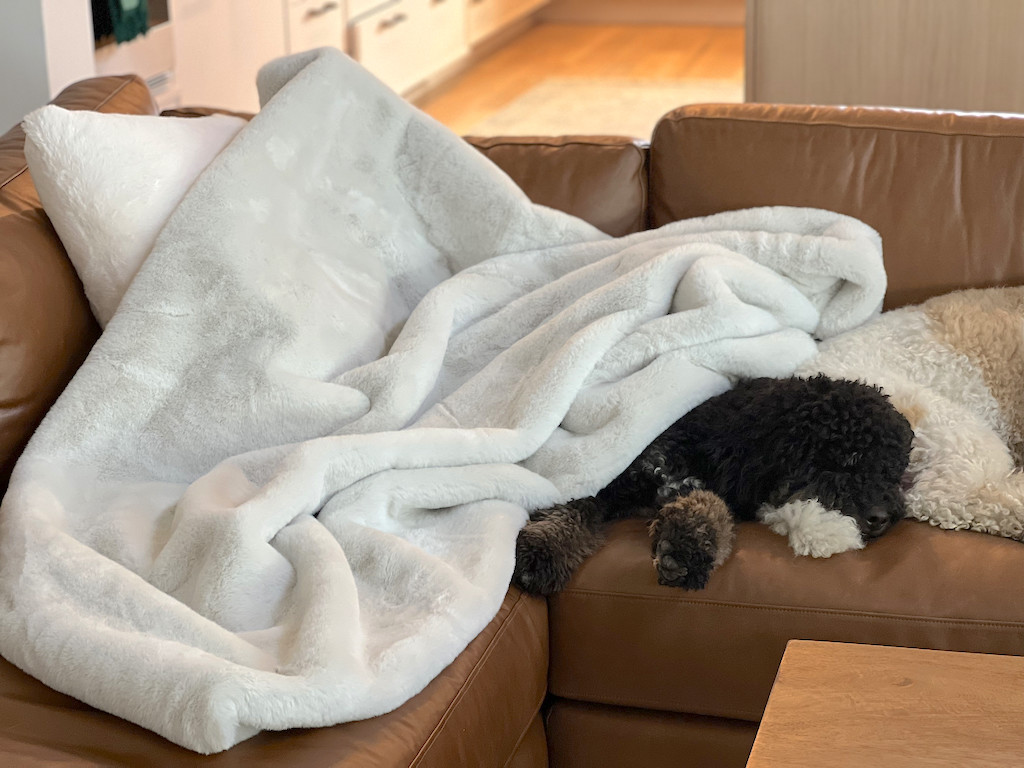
{"x": 595, "y": 79}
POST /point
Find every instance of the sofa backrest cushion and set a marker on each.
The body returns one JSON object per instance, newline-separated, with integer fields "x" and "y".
{"x": 946, "y": 193}
{"x": 46, "y": 328}
{"x": 600, "y": 179}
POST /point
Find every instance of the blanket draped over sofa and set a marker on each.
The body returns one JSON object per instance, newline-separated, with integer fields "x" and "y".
{"x": 284, "y": 489}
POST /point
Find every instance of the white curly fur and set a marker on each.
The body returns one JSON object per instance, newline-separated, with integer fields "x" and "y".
{"x": 961, "y": 469}
{"x": 812, "y": 529}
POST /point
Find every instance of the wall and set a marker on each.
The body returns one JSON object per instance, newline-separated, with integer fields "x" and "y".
{"x": 44, "y": 46}
{"x": 23, "y": 81}
{"x": 70, "y": 51}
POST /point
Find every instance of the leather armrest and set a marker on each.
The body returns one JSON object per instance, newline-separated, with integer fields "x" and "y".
{"x": 477, "y": 712}
{"x": 945, "y": 190}
{"x": 46, "y": 326}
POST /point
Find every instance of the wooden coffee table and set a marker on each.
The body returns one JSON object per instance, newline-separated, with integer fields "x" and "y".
{"x": 835, "y": 705}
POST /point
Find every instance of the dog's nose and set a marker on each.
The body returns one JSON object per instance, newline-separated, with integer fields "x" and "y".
{"x": 877, "y": 520}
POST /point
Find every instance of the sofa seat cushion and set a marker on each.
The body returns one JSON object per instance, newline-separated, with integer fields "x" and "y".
{"x": 617, "y": 637}
{"x": 481, "y": 710}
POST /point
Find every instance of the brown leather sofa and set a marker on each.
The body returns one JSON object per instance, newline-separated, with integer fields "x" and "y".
{"x": 616, "y": 670}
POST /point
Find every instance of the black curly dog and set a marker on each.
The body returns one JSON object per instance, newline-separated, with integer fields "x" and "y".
{"x": 767, "y": 441}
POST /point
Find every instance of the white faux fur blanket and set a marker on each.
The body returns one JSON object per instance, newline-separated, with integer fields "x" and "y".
{"x": 285, "y": 487}
{"x": 954, "y": 367}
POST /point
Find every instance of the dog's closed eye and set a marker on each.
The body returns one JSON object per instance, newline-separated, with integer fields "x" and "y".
{"x": 851, "y": 460}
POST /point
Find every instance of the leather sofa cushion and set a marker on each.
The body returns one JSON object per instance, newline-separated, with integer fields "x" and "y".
{"x": 617, "y": 637}
{"x": 589, "y": 735}
{"x": 945, "y": 194}
{"x": 46, "y": 327}
{"x": 494, "y": 688}
{"x": 602, "y": 180}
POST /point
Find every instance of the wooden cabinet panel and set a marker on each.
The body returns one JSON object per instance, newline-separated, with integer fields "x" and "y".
{"x": 936, "y": 54}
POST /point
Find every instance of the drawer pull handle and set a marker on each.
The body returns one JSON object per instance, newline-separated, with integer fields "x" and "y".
{"x": 313, "y": 13}
{"x": 438, "y": 2}
{"x": 394, "y": 21}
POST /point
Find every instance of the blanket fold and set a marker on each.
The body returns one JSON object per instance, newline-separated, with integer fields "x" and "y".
{"x": 284, "y": 489}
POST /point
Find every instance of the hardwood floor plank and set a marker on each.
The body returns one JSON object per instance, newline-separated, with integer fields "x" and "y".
{"x": 641, "y": 52}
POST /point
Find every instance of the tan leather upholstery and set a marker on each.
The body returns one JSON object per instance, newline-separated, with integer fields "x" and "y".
{"x": 46, "y": 327}
{"x": 945, "y": 192}
{"x": 593, "y": 736}
{"x": 481, "y": 711}
{"x": 532, "y": 751}
{"x": 617, "y": 637}
{"x": 642, "y": 674}
{"x": 601, "y": 179}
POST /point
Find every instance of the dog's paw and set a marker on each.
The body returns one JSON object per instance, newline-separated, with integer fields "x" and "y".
{"x": 551, "y": 546}
{"x": 683, "y": 562}
{"x": 540, "y": 567}
{"x": 691, "y": 536}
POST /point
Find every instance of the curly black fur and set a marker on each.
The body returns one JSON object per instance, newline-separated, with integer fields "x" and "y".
{"x": 765, "y": 441}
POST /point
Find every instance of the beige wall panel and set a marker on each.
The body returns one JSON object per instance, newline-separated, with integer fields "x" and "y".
{"x": 938, "y": 54}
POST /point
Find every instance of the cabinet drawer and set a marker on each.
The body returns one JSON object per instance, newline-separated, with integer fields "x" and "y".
{"x": 446, "y": 32}
{"x": 315, "y": 23}
{"x": 486, "y": 17}
{"x": 389, "y": 43}
{"x": 359, "y": 7}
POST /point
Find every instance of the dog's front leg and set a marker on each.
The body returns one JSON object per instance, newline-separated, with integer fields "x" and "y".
{"x": 690, "y": 537}
{"x": 553, "y": 544}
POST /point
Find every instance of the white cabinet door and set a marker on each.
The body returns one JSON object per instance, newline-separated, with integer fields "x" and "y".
{"x": 315, "y": 23}
{"x": 219, "y": 45}
{"x": 446, "y": 40}
{"x": 404, "y": 42}
{"x": 391, "y": 43}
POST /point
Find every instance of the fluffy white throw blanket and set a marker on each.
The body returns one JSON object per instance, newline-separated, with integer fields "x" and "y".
{"x": 285, "y": 487}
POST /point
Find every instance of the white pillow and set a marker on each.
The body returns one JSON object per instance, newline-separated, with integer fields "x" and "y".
{"x": 109, "y": 182}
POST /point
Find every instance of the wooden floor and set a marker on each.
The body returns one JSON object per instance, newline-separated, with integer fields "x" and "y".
{"x": 567, "y": 50}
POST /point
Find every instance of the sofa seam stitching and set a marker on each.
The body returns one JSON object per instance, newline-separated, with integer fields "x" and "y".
{"x": 526, "y": 730}
{"x": 432, "y": 738}
{"x": 545, "y": 143}
{"x": 659, "y": 706}
{"x": 126, "y": 79}
{"x": 793, "y": 609}
{"x": 831, "y": 124}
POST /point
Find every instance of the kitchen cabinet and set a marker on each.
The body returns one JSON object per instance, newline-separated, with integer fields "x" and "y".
{"x": 406, "y": 41}
{"x": 315, "y": 23}
{"x": 389, "y": 41}
{"x": 219, "y": 45}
